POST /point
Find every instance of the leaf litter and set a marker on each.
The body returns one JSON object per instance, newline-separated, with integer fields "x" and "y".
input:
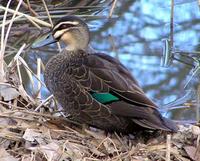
{"x": 43, "y": 137}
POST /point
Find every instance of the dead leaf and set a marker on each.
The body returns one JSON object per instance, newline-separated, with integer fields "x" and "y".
{"x": 96, "y": 152}
{"x": 195, "y": 130}
{"x": 51, "y": 151}
{"x": 74, "y": 150}
{"x": 26, "y": 158}
{"x": 5, "y": 156}
{"x": 8, "y": 92}
{"x": 97, "y": 134}
{"x": 192, "y": 152}
{"x": 109, "y": 146}
{"x": 32, "y": 135}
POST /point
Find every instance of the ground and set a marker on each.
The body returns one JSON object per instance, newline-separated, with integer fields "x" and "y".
{"x": 41, "y": 136}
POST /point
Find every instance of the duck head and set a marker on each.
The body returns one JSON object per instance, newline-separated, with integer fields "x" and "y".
{"x": 71, "y": 30}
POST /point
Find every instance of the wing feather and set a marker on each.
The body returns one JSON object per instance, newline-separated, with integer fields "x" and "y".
{"x": 113, "y": 75}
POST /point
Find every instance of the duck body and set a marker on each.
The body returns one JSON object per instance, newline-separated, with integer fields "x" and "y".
{"x": 96, "y": 89}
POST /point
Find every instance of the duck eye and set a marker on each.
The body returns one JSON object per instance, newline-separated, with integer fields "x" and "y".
{"x": 66, "y": 26}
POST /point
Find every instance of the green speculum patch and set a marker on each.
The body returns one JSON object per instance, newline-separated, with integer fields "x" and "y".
{"x": 104, "y": 97}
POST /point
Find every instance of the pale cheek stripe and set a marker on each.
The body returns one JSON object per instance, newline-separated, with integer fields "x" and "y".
{"x": 59, "y": 33}
{"x": 69, "y": 22}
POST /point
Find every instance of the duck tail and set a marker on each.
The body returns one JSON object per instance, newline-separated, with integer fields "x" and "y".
{"x": 165, "y": 125}
{"x": 170, "y": 124}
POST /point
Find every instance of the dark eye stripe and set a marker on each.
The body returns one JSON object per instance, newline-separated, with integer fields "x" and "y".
{"x": 64, "y": 26}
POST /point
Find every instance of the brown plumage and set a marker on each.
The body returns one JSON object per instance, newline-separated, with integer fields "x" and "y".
{"x": 95, "y": 88}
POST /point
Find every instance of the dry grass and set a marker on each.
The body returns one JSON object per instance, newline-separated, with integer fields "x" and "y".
{"x": 31, "y": 131}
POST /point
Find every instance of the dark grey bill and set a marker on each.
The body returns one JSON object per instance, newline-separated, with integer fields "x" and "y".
{"x": 44, "y": 40}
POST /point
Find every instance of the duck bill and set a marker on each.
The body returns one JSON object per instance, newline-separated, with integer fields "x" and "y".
{"x": 44, "y": 40}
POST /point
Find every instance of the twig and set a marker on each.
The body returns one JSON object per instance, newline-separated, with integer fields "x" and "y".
{"x": 21, "y": 88}
{"x": 28, "y": 7}
{"x": 18, "y": 53}
{"x": 9, "y": 27}
{"x": 17, "y": 117}
{"x": 52, "y": 117}
{"x": 27, "y": 71}
{"x": 19, "y": 72}
{"x": 47, "y": 11}
{"x": 40, "y": 105}
{"x": 112, "y": 8}
{"x": 172, "y": 25}
{"x": 14, "y": 61}
{"x": 7, "y": 104}
{"x": 112, "y": 41}
{"x": 198, "y": 104}
{"x": 168, "y": 147}
{"x": 8, "y": 22}
{"x": 39, "y": 77}
{"x": 39, "y": 21}
{"x": 51, "y": 22}
{"x": 2, "y": 44}
{"x": 101, "y": 143}
{"x": 115, "y": 147}
{"x": 26, "y": 67}
{"x": 35, "y": 24}
{"x": 28, "y": 17}
{"x": 10, "y": 136}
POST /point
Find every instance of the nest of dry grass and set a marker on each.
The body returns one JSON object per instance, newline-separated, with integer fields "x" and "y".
{"x": 27, "y": 135}
{"x": 30, "y": 130}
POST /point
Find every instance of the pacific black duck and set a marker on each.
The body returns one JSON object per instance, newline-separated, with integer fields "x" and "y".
{"x": 95, "y": 88}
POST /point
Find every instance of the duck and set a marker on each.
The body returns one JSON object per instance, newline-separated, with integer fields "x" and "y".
{"x": 94, "y": 88}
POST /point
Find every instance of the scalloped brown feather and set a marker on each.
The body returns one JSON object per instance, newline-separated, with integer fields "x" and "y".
{"x": 71, "y": 76}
